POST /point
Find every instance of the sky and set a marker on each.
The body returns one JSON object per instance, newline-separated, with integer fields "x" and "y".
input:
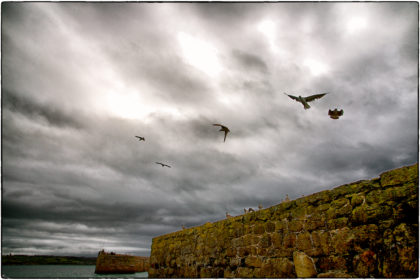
{"x": 81, "y": 80}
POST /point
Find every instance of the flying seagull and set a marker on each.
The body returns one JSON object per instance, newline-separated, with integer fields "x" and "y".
{"x": 140, "y": 138}
{"x": 223, "y": 128}
{"x": 305, "y": 100}
{"x": 163, "y": 164}
{"x": 335, "y": 114}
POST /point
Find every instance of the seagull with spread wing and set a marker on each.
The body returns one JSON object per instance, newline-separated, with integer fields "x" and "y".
{"x": 335, "y": 114}
{"x": 223, "y": 128}
{"x": 140, "y": 138}
{"x": 305, "y": 100}
{"x": 163, "y": 165}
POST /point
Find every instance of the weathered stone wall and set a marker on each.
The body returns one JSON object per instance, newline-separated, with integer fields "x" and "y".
{"x": 116, "y": 263}
{"x": 363, "y": 229}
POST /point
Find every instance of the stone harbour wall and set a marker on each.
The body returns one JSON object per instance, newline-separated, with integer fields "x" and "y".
{"x": 110, "y": 263}
{"x": 363, "y": 229}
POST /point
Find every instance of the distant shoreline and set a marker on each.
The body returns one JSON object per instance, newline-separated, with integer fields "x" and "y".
{"x": 47, "y": 260}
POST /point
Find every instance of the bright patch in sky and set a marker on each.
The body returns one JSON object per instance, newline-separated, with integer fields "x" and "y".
{"x": 127, "y": 106}
{"x": 317, "y": 68}
{"x": 200, "y": 54}
{"x": 268, "y": 28}
{"x": 125, "y": 102}
{"x": 356, "y": 24}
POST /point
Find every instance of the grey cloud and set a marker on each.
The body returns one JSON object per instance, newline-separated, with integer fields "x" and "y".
{"x": 73, "y": 170}
{"x": 250, "y": 61}
{"x": 33, "y": 109}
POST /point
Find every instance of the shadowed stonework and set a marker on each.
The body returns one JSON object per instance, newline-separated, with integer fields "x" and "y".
{"x": 363, "y": 229}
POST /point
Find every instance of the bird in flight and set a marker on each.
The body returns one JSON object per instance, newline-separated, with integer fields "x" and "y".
{"x": 163, "y": 165}
{"x": 305, "y": 100}
{"x": 140, "y": 138}
{"x": 223, "y": 128}
{"x": 335, "y": 114}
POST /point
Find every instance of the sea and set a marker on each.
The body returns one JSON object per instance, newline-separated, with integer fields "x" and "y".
{"x": 60, "y": 271}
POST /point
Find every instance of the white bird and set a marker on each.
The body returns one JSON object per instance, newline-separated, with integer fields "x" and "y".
{"x": 228, "y": 216}
{"x": 305, "y": 100}
{"x": 223, "y": 128}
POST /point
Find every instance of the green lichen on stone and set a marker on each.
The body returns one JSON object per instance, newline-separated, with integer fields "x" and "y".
{"x": 400, "y": 176}
{"x": 362, "y": 229}
{"x": 357, "y": 199}
{"x": 303, "y": 241}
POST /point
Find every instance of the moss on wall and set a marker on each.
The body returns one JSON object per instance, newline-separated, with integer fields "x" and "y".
{"x": 364, "y": 229}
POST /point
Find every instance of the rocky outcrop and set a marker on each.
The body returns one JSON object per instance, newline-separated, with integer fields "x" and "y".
{"x": 111, "y": 263}
{"x": 363, "y": 229}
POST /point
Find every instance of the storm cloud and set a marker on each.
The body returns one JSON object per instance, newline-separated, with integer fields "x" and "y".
{"x": 80, "y": 80}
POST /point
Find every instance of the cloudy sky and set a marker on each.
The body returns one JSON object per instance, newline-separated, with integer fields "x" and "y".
{"x": 80, "y": 80}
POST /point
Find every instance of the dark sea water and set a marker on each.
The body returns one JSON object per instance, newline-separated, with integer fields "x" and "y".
{"x": 60, "y": 271}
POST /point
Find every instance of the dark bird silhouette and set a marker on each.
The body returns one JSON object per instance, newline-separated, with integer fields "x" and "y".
{"x": 223, "y": 128}
{"x": 305, "y": 100}
{"x": 163, "y": 164}
{"x": 335, "y": 114}
{"x": 140, "y": 138}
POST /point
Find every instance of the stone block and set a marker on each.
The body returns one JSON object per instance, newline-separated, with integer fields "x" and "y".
{"x": 296, "y": 225}
{"x": 228, "y": 273}
{"x": 337, "y": 223}
{"x": 231, "y": 252}
{"x": 281, "y": 226}
{"x": 319, "y": 198}
{"x": 303, "y": 241}
{"x": 359, "y": 215}
{"x": 289, "y": 240}
{"x": 244, "y": 251}
{"x": 304, "y": 265}
{"x": 245, "y": 272}
{"x": 399, "y": 176}
{"x": 261, "y": 251}
{"x": 253, "y": 261}
{"x": 277, "y": 240}
{"x": 342, "y": 240}
{"x": 235, "y": 262}
{"x": 364, "y": 264}
{"x": 334, "y": 274}
{"x": 315, "y": 221}
{"x": 265, "y": 241}
{"x": 270, "y": 227}
{"x": 327, "y": 263}
{"x": 366, "y": 234}
{"x": 258, "y": 229}
{"x": 284, "y": 267}
{"x": 247, "y": 240}
{"x": 322, "y": 242}
{"x": 357, "y": 199}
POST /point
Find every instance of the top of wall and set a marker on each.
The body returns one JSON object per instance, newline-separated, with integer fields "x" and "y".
{"x": 393, "y": 177}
